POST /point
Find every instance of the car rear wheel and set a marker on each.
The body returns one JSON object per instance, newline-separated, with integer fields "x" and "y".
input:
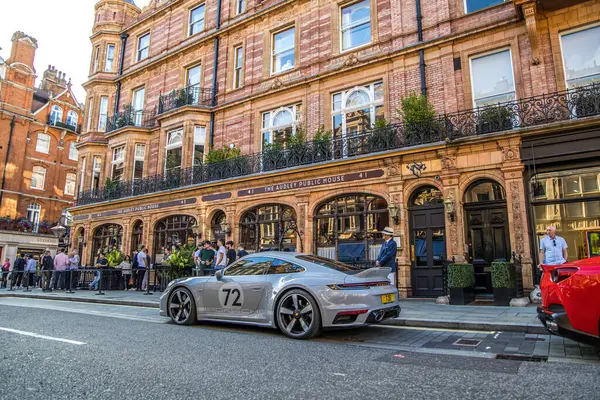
{"x": 181, "y": 306}
{"x": 298, "y": 315}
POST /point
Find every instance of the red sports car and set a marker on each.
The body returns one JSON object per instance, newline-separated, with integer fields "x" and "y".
{"x": 571, "y": 300}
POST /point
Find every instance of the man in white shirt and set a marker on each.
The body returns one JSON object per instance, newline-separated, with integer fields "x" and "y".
{"x": 221, "y": 255}
{"x": 553, "y": 248}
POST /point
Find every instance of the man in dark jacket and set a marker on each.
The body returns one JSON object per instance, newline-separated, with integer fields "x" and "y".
{"x": 47, "y": 266}
{"x": 18, "y": 268}
{"x": 387, "y": 254}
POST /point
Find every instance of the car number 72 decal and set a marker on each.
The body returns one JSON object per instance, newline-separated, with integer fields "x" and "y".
{"x": 231, "y": 295}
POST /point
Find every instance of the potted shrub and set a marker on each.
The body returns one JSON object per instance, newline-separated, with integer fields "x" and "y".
{"x": 420, "y": 123}
{"x": 503, "y": 282}
{"x": 382, "y": 137}
{"x": 495, "y": 118}
{"x": 322, "y": 145}
{"x": 461, "y": 283}
{"x": 181, "y": 262}
{"x": 219, "y": 162}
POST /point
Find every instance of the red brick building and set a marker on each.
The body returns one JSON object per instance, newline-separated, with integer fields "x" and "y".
{"x": 172, "y": 81}
{"x": 39, "y": 129}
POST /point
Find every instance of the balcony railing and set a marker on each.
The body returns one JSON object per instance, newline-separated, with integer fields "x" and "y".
{"x": 75, "y": 128}
{"x": 187, "y": 96}
{"x": 559, "y": 106}
{"x": 140, "y": 119}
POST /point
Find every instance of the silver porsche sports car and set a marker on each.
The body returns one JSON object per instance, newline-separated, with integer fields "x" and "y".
{"x": 300, "y": 294}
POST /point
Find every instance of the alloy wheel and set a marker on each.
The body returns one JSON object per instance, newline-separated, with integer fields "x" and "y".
{"x": 296, "y": 315}
{"x": 181, "y": 306}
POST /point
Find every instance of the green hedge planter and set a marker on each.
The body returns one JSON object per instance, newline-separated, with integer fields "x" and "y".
{"x": 461, "y": 283}
{"x": 503, "y": 282}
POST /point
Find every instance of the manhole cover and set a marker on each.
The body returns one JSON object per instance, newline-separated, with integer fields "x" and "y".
{"x": 467, "y": 342}
{"x": 520, "y": 357}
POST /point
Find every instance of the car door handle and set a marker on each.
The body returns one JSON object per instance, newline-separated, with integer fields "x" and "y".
{"x": 256, "y": 288}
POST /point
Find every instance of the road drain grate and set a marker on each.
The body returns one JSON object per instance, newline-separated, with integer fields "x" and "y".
{"x": 467, "y": 342}
{"x": 520, "y": 357}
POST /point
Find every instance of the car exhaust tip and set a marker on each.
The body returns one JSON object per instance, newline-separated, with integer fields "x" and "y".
{"x": 379, "y": 316}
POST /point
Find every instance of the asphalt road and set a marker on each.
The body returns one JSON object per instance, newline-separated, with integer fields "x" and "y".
{"x": 133, "y": 353}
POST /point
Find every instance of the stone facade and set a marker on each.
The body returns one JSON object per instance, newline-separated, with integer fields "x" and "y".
{"x": 451, "y": 39}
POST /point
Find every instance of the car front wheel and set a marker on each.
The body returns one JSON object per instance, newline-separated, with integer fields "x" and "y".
{"x": 298, "y": 315}
{"x": 182, "y": 308}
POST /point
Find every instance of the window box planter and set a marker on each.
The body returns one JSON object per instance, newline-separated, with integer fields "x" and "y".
{"x": 503, "y": 282}
{"x": 461, "y": 283}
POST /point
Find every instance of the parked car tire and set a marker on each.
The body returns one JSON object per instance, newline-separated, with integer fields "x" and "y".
{"x": 298, "y": 315}
{"x": 182, "y": 307}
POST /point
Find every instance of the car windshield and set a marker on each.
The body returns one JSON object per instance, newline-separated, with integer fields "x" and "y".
{"x": 325, "y": 262}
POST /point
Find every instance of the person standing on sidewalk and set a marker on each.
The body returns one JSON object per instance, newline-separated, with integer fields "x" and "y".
{"x": 146, "y": 280}
{"x": 125, "y": 267}
{"x": 5, "y": 271}
{"x": 231, "y": 256}
{"x": 207, "y": 257}
{"x": 17, "y": 273}
{"x": 73, "y": 269}
{"x": 61, "y": 263}
{"x": 241, "y": 252}
{"x": 221, "y": 255}
{"x": 142, "y": 263}
{"x": 47, "y": 267}
{"x": 31, "y": 269}
{"x": 553, "y": 248}
{"x": 387, "y": 254}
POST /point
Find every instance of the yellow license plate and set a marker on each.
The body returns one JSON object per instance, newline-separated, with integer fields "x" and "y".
{"x": 387, "y": 298}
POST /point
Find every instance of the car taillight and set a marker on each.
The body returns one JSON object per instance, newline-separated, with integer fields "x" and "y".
{"x": 560, "y": 274}
{"x": 358, "y": 286}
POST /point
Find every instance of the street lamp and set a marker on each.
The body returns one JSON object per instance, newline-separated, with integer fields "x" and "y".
{"x": 449, "y": 205}
{"x": 225, "y": 228}
{"x": 197, "y": 230}
{"x": 58, "y": 230}
{"x": 393, "y": 210}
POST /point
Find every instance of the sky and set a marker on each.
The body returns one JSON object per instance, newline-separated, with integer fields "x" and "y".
{"x": 62, "y": 29}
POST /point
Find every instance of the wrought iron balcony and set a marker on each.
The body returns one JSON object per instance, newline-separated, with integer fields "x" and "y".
{"x": 130, "y": 117}
{"x": 187, "y": 96}
{"x": 560, "y": 106}
{"x": 74, "y": 128}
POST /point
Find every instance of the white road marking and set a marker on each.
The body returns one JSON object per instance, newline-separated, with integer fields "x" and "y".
{"x": 418, "y": 328}
{"x": 37, "y": 335}
{"x": 339, "y": 374}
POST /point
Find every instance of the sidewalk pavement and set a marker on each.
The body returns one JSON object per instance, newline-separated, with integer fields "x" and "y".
{"x": 417, "y": 313}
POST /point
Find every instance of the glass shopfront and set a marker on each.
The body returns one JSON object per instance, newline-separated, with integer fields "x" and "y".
{"x": 171, "y": 232}
{"x": 106, "y": 238}
{"x": 347, "y": 228}
{"x": 269, "y": 227}
{"x": 569, "y": 200}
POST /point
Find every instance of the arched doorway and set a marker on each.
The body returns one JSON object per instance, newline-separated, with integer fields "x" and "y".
{"x": 79, "y": 243}
{"x": 267, "y": 227}
{"x": 171, "y": 232}
{"x": 486, "y": 218}
{"x": 137, "y": 235}
{"x": 216, "y": 226}
{"x": 347, "y": 228}
{"x": 427, "y": 241}
{"x": 105, "y": 238}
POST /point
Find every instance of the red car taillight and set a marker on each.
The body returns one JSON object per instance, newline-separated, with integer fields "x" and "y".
{"x": 560, "y": 274}
{"x": 357, "y": 286}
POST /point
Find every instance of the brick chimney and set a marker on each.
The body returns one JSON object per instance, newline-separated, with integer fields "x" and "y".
{"x": 53, "y": 81}
{"x": 23, "y": 49}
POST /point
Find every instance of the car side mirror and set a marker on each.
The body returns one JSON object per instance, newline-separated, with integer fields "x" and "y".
{"x": 219, "y": 275}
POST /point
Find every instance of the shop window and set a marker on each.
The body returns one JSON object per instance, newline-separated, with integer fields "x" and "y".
{"x": 136, "y": 235}
{"x": 196, "y": 23}
{"x": 56, "y": 115}
{"x": 355, "y": 29}
{"x": 492, "y": 79}
{"x": 282, "y": 48}
{"x": 571, "y": 202}
{"x": 43, "y": 143}
{"x": 475, "y": 5}
{"x": 172, "y": 232}
{"x": 174, "y": 154}
{"x": 347, "y": 228}
{"x": 580, "y": 52}
{"x": 106, "y": 238}
{"x": 269, "y": 227}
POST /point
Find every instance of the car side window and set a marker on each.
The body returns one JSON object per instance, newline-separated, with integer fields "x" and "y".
{"x": 284, "y": 267}
{"x": 249, "y": 266}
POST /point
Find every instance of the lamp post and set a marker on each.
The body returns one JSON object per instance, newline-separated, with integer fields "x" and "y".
{"x": 225, "y": 228}
{"x": 197, "y": 231}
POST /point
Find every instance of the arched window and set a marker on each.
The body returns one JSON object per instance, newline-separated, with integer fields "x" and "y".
{"x": 72, "y": 119}
{"x": 217, "y": 222}
{"x": 268, "y": 227}
{"x": 170, "y": 232}
{"x": 38, "y": 177}
{"x": 43, "y": 143}
{"x": 357, "y": 109}
{"x": 106, "y": 238}
{"x": 347, "y": 228}
{"x": 137, "y": 235}
{"x": 484, "y": 190}
{"x": 427, "y": 196}
{"x": 56, "y": 115}
{"x": 280, "y": 124}
{"x": 174, "y": 153}
{"x": 33, "y": 215}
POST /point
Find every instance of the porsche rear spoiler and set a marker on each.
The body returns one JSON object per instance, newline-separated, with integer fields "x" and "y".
{"x": 371, "y": 274}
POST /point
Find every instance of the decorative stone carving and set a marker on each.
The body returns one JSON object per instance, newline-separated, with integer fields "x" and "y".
{"x": 510, "y": 153}
{"x": 528, "y": 10}
{"x": 301, "y": 218}
{"x": 276, "y": 84}
{"x": 517, "y": 217}
{"x": 350, "y": 60}
{"x": 448, "y": 162}
{"x": 453, "y": 226}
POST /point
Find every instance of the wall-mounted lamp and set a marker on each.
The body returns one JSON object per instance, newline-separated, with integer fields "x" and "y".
{"x": 225, "y": 228}
{"x": 449, "y": 206}
{"x": 197, "y": 230}
{"x": 394, "y": 211}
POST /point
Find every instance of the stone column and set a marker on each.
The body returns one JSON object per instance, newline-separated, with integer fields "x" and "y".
{"x": 396, "y": 198}
{"x": 304, "y": 224}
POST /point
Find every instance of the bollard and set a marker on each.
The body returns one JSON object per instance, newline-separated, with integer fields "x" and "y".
{"x": 70, "y": 282}
{"x": 147, "y": 281}
{"x": 100, "y": 283}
